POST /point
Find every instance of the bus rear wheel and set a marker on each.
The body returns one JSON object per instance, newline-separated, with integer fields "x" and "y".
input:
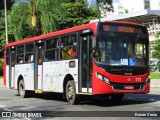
{"x": 117, "y": 97}
{"x": 71, "y": 96}
{"x": 21, "y": 89}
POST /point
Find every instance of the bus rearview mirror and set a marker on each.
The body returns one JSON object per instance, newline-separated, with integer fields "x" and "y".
{"x": 93, "y": 43}
{"x": 142, "y": 37}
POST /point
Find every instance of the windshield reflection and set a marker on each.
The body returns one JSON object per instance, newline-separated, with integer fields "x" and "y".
{"x": 120, "y": 50}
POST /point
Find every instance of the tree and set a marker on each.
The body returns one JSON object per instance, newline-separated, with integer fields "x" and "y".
{"x": 2, "y": 30}
{"x": 104, "y": 6}
{"x": 76, "y": 13}
{"x": 46, "y": 11}
{"x": 37, "y": 17}
{"x": 18, "y": 21}
{"x": 28, "y": 19}
{"x": 156, "y": 48}
{"x": 2, "y": 33}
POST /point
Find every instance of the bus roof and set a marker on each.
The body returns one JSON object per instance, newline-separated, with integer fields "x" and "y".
{"x": 65, "y": 31}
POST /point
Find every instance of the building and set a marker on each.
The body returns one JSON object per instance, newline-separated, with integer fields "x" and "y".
{"x": 129, "y": 6}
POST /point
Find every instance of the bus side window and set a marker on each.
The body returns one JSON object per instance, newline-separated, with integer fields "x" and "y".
{"x": 73, "y": 53}
{"x": 69, "y": 47}
{"x": 29, "y": 49}
{"x": 52, "y": 49}
{"x": 64, "y": 48}
{"x": 29, "y": 58}
{"x": 7, "y": 56}
{"x": 20, "y": 54}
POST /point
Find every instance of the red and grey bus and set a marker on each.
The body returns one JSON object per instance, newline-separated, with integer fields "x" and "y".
{"x": 100, "y": 58}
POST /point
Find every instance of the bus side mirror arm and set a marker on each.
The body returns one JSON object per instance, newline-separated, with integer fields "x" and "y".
{"x": 94, "y": 42}
{"x": 95, "y": 55}
{"x": 142, "y": 37}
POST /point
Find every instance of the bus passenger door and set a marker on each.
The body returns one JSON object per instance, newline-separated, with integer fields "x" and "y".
{"x": 85, "y": 63}
{"x": 12, "y": 68}
{"x": 38, "y": 67}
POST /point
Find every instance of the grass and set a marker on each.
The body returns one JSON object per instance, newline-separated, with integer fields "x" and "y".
{"x": 155, "y": 75}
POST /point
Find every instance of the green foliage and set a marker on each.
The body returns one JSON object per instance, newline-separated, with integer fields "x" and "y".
{"x": 1, "y": 64}
{"x": 156, "y": 52}
{"x": 18, "y": 21}
{"x": 51, "y": 15}
{"x": 2, "y": 32}
{"x": 155, "y": 75}
{"x": 20, "y": 18}
{"x": 46, "y": 11}
{"x": 76, "y": 13}
{"x": 2, "y": 24}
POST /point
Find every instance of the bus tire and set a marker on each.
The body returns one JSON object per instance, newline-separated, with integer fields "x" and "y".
{"x": 117, "y": 97}
{"x": 71, "y": 96}
{"x": 21, "y": 89}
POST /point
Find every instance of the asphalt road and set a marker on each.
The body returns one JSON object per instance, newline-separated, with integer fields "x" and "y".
{"x": 89, "y": 107}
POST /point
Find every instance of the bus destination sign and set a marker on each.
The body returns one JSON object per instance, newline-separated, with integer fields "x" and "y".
{"x": 126, "y": 29}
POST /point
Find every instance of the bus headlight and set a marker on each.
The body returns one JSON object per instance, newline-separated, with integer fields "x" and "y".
{"x": 99, "y": 76}
{"x": 147, "y": 81}
{"x": 104, "y": 79}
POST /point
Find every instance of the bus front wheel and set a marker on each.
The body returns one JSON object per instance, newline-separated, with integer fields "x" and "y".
{"x": 21, "y": 89}
{"x": 71, "y": 96}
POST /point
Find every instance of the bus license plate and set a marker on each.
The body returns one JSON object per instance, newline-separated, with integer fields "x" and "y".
{"x": 129, "y": 87}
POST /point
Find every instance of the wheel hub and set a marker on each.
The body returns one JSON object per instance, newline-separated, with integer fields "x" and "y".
{"x": 70, "y": 92}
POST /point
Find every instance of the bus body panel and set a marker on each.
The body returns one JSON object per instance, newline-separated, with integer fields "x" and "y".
{"x": 13, "y": 77}
{"x": 5, "y": 67}
{"x": 127, "y": 79}
{"x": 104, "y": 88}
{"x": 7, "y": 76}
{"x": 100, "y": 87}
{"x": 55, "y": 72}
{"x": 40, "y": 77}
{"x": 27, "y": 72}
{"x": 50, "y": 76}
{"x": 66, "y": 70}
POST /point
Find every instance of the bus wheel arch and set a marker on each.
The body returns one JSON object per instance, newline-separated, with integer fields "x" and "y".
{"x": 67, "y": 78}
{"x": 70, "y": 90}
{"x": 21, "y": 87}
{"x": 19, "y": 78}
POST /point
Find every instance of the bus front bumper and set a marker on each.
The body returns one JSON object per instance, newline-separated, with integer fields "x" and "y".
{"x": 123, "y": 88}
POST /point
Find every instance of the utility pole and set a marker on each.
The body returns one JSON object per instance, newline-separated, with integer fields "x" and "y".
{"x": 6, "y": 25}
{"x": 99, "y": 12}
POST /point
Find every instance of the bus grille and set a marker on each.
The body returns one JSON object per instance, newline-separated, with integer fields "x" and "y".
{"x": 122, "y": 87}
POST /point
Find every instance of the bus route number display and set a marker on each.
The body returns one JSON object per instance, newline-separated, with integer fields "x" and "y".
{"x": 122, "y": 29}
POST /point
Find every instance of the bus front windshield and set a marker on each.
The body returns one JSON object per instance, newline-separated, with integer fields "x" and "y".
{"x": 121, "y": 50}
